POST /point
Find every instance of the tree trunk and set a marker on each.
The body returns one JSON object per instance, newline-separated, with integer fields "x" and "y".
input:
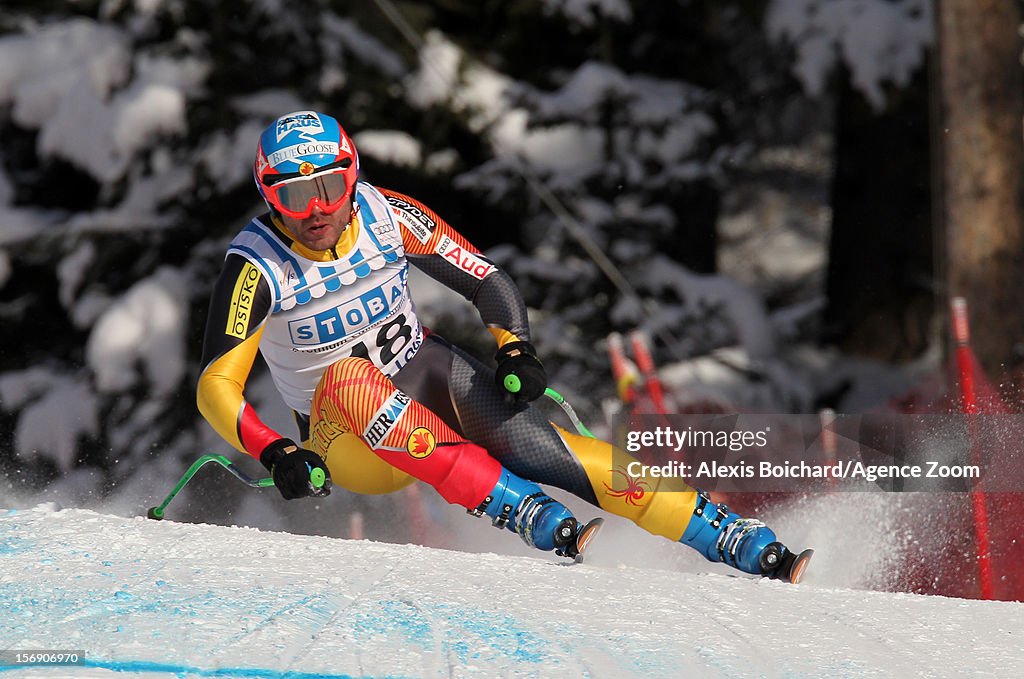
{"x": 879, "y": 284}
{"x": 978, "y": 140}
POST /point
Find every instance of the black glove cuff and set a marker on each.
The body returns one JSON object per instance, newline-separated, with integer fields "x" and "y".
{"x": 275, "y": 452}
{"x": 513, "y": 349}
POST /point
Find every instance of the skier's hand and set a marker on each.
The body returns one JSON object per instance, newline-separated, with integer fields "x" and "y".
{"x": 519, "y": 372}
{"x": 297, "y": 472}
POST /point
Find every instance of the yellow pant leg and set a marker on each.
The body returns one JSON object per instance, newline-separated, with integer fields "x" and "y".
{"x": 355, "y": 467}
{"x": 659, "y": 505}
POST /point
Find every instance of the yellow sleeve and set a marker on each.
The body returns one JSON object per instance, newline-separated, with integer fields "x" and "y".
{"x": 219, "y": 394}
{"x": 239, "y": 306}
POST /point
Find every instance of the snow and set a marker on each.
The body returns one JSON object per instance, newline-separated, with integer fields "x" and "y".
{"x": 390, "y": 146}
{"x": 268, "y": 104}
{"x": 742, "y": 308}
{"x": 68, "y": 81}
{"x": 55, "y": 410}
{"x": 441, "y": 162}
{"x": 228, "y": 156}
{"x": 5, "y": 268}
{"x": 72, "y": 270}
{"x": 568, "y": 137}
{"x": 435, "y": 79}
{"x": 52, "y": 425}
{"x": 586, "y": 12}
{"x": 792, "y": 379}
{"x": 146, "y": 325}
{"x": 561, "y": 135}
{"x": 368, "y": 48}
{"x": 881, "y": 41}
{"x": 37, "y": 72}
{"x": 566, "y": 152}
{"x": 164, "y": 599}
{"x": 6, "y": 188}
{"x": 18, "y": 224}
{"x": 19, "y": 387}
{"x": 649, "y": 101}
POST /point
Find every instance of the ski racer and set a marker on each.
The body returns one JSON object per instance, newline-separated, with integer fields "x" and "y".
{"x": 319, "y": 285}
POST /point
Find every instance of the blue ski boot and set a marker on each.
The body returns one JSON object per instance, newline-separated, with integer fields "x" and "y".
{"x": 540, "y": 520}
{"x": 747, "y": 544}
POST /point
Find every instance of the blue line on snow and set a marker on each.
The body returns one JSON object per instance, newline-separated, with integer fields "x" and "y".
{"x": 185, "y": 671}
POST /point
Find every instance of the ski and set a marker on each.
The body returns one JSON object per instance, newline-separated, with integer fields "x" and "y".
{"x": 794, "y": 566}
{"x": 577, "y": 549}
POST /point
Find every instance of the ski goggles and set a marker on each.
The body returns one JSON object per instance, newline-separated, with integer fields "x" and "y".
{"x": 296, "y": 197}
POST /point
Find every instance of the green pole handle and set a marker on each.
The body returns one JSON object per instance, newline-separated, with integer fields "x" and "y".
{"x": 512, "y": 383}
{"x": 317, "y": 477}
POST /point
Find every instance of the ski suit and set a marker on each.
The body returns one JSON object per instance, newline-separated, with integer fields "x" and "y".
{"x": 380, "y": 398}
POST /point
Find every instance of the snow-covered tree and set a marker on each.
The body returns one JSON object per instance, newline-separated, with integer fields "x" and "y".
{"x": 571, "y": 140}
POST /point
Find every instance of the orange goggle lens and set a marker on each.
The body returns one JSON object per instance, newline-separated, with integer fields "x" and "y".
{"x": 296, "y": 198}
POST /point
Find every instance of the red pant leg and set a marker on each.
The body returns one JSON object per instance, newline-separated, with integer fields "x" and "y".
{"x": 354, "y": 396}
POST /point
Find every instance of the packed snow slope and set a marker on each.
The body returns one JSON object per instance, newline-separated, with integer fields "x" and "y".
{"x": 148, "y": 599}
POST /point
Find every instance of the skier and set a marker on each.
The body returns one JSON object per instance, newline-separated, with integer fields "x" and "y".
{"x": 319, "y": 285}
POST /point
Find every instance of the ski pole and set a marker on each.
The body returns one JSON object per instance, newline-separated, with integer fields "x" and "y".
{"x": 576, "y": 422}
{"x": 316, "y": 479}
{"x": 513, "y": 385}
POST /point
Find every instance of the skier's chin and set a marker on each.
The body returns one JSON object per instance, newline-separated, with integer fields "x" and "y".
{"x": 321, "y": 236}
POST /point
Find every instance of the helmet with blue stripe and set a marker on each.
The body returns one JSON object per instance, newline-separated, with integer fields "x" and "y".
{"x": 304, "y": 159}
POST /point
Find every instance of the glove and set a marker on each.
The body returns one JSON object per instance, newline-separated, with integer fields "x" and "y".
{"x": 519, "y": 372}
{"x": 292, "y": 468}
